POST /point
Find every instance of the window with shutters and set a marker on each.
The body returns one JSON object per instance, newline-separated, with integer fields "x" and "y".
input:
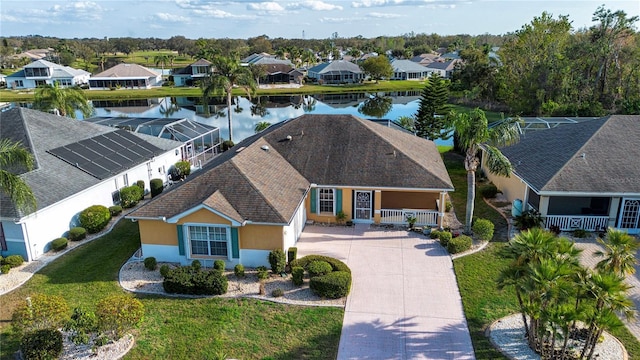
{"x": 326, "y": 200}
{"x": 209, "y": 240}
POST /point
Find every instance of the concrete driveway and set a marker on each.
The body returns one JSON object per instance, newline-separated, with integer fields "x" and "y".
{"x": 404, "y": 301}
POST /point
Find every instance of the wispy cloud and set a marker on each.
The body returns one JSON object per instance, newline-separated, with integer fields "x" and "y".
{"x": 421, "y": 3}
{"x": 269, "y": 6}
{"x": 314, "y": 5}
{"x": 170, "y": 18}
{"x": 378, "y": 15}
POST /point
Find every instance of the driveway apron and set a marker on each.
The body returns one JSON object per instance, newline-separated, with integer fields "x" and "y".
{"x": 404, "y": 301}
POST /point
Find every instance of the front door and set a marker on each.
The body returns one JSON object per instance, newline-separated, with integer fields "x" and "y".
{"x": 630, "y": 216}
{"x": 362, "y": 205}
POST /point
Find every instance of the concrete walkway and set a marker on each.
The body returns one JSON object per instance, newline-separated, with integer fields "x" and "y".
{"x": 404, "y": 301}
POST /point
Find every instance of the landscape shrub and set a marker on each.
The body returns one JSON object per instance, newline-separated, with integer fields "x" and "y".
{"x": 319, "y": 268}
{"x": 77, "y": 233}
{"x": 13, "y": 260}
{"x": 580, "y": 233}
{"x": 150, "y": 263}
{"x": 219, "y": 265}
{"x": 59, "y": 244}
{"x": 44, "y": 312}
{"x": 164, "y": 270}
{"x": 459, "y": 244}
{"x": 483, "y": 229}
{"x": 238, "y": 270}
{"x": 292, "y": 254}
{"x": 336, "y": 264}
{"x": 278, "y": 261}
{"x": 297, "y": 275}
{"x": 277, "y": 292}
{"x": 227, "y": 144}
{"x": 448, "y": 206}
{"x": 140, "y": 184}
{"x": 187, "y": 280}
{"x": 334, "y": 285}
{"x": 489, "y": 191}
{"x": 184, "y": 167}
{"x": 94, "y": 218}
{"x": 130, "y": 196}
{"x": 81, "y": 325}
{"x": 196, "y": 265}
{"x": 115, "y": 210}
{"x": 156, "y": 186}
{"x": 5, "y": 269}
{"x": 117, "y": 314}
{"x": 528, "y": 219}
{"x": 445, "y": 237}
{"x": 435, "y": 234}
{"x": 42, "y": 344}
{"x": 262, "y": 272}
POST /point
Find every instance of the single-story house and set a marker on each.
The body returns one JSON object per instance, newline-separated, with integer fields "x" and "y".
{"x": 132, "y": 76}
{"x": 43, "y": 72}
{"x": 579, "y": 176}
{"x": 407, "y": 70}
{"x": 187, "y": 76}
{"x": 444, "y": 69}
{"x": 258, "y": 196}
{"x": 336, "y": 72}
{"x": 281, "y": 73}
{"x": 426, "y": 59}
{"x": 77, "y": 164}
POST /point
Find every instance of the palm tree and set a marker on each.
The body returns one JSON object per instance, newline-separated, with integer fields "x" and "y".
{"x": 620, "y": 253}
{"x": 228, "y": 73}
{"x": 473, "y": 134}
{"x": 64, "y": 101}
{"x": 261, "y": 126}
{"x": 14, "y": 156}
{"x": 162, "y": 60}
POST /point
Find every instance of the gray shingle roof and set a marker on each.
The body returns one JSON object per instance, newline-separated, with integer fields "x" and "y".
{"x": 53, "y": 179}
{"x": 336, "y": 66}
{"x": 400, "y": 65}
{"x": 126, "y": 71}
{"x": 266, "y": 177}
{"x": 601, "y": 156}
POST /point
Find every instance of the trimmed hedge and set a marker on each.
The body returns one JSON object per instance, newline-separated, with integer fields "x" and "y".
{"x": 94, "y": 218}
{"x": 219, "y": 265}
{"x": 292, "y": 254}
{"x": 336, "y": 264}
{"x": 187, "y": 280}
{"x": 5, "y": 269}
{"x": 77, "y": 233}
{"x": 238, "y": 270}
{"x": 130, "y": 196}
{"x": 59, "y": 244}
{"x": 13, "y": 261}
{"x": 156, "y": 186}
{"x": 297, "y": 275}
{"x": 483, "y": 229}
{"x": 43, "y": 344}
{"x": 445, "y": 237}
{"x": 115, "y": 210}
{"x": 278, "y": 261}
{"x": 184, "y": 167}
{"x": 334, "y": 285}
{"x": 164, "y": 270}
{"x": 459, "y": 244}
{"x": 319, "y": 268}
{"x": 150, "y": 263}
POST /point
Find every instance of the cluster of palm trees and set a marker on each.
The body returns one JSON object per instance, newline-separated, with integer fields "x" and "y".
{"x": 559, "y": 299}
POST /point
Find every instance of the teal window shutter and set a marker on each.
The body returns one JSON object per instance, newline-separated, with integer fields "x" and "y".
{"x": 235, "y": 246}
{"x": 314, "y": 208}
{"x": 338, "y": 200}
{"x": 180, "y": 240}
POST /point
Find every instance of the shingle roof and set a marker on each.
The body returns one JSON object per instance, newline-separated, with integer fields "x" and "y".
{"x": 187, "y": 70}
{"x": 267, "y": 176}
{"x": 126, "y": 71}
{"x": 52, "y": 178}
{"x": 338, "y": 65}
{"x": 599, "y": 156}
{"x": 447, "y": 65}
{"x": 59, "y": 71}
{"x": 407, "y": 66}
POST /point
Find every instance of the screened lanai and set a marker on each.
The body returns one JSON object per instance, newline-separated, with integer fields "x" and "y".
{"x": 201, "y": 142}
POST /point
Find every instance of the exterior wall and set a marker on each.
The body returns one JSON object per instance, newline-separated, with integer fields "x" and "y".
{"x": 512, "y": 187}
{"x": 409, "y": 200}
{"x": 14, "y": 237}
{"x": 377, "y": 202}
{"x": 261, "y": 237}
{"x": 204, "y": 216}
{"x": 293, "y": 231}
{"x": 158, "y": 232}
{"x": 346, "y": 206}
{"x": 254, "y": 258}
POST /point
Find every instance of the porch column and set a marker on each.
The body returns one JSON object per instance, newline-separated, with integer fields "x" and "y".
{"x": 442, "y": 207}
{"x": 377, "y": 205}
{"x": 613, "y": 211}
{"x": 544, "y": 205}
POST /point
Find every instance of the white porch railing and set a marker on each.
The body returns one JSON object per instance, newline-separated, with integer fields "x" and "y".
{"x": 572, "y": 222}
{"x": 399, "y": 216}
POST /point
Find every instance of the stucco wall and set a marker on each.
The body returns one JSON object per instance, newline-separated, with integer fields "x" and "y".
{"x": 261, "y": 237}
{"x": 158, "y": 232}
{"x": 204, "y": 216}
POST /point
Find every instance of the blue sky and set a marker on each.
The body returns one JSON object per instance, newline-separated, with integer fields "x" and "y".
{"x": 289, "y": 18}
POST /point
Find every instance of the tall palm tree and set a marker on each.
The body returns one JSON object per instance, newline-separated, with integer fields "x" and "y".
{"x": 65, "y": 101}
{"x": 619, "y": 254}
{"x": 473, "y": 134}
{"x": 162, "y": 60}
{"x": 14, "y": 156}
{"x": 227, "y": 74}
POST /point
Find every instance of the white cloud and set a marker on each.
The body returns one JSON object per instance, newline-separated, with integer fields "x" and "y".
{"x": 220, "y": 14}
{"x": 269, "y": 6}
{"x": 421, "y": 3}
{"x": 78, "y": 10}
{"x": 383, "y": 15}
{"x": 341, "y": 20}
{"x": 315, "y": 5}
{"x": 171, "y": 18}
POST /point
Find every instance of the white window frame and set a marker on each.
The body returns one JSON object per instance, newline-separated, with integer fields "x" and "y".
{"x": 187, "y": 235}
{"x": 320, "y": 201}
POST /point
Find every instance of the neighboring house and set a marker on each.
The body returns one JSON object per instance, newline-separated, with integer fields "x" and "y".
{"x": 132, "y": 76}
{"x": 426, "y": 59}
{"x": 336, "y": 72}
{"x": 281, "y": 73}
{"x": 264, "y": 59}
{"x": 259, "y": 195}
{"x": 43, "y": 72}
{"x": 444, "y": 69}
{"x": 200, "y": 142}
{"x": 579, "y": 176}
{"x": 77, "y": 164}
{"x": 34, "y": 54}
{"x": 408, "y": 70}
{"x": 189, "y": 75}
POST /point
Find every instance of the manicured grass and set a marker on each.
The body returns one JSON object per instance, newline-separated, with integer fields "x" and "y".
{"x": 175, "y": 328}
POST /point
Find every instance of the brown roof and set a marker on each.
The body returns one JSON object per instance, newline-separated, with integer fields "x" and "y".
{"x": 267, "y": 176}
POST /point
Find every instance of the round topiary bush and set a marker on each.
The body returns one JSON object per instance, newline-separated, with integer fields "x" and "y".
{"x": 59, "y": 244}
{"x": 130, "y": 196}
{"x": 334, "y": 285}
{"x": 77, "y": 233}
{"x": 42, "y": 344}
{"x": 483, "y": 229}
{"x": 277, "y": 292}
{"x": 115, "y": 210}
{"x": 156, "y": 186}
{"x": 150, "y": 263}
{"x": 444, "y": 237}
{"x": 94, "y": 218}
{"x": 219, "y": 265}
{"x": 164, "y": 270}
{"x": 297, "y": 275}
{"x": 319, "y": 268}
{"x": 238, "y": 270}
{"x": 336, "y": 264}
{"x": 459, "y": 244}
{"x": 278, "y": 261}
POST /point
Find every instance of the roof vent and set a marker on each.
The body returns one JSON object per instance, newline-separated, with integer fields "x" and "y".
{"x": 265, "y": 147}
{"x": 289, "y": 137}
{"x": 240, "y": 149}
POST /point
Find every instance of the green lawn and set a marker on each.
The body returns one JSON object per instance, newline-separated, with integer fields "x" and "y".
{"x": 175, "y": 328}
